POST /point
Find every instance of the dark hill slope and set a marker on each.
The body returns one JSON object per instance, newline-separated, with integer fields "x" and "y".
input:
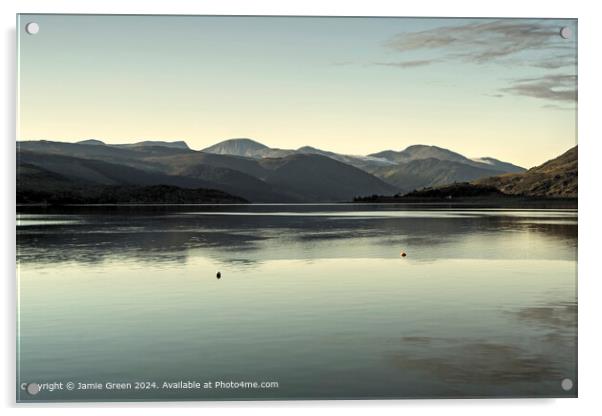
{"x": 36, "y": 185}
{"x": 239, "y": 183}
{"x": 319, "y": 178}
{"x": 554, "y": 178}
{"x": 100, "y": 172}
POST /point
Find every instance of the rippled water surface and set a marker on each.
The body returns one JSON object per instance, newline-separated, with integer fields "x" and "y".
{"x": 314, "y": 297}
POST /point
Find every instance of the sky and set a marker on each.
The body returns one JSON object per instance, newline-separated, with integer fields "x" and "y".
{"x": 481, "y": 87}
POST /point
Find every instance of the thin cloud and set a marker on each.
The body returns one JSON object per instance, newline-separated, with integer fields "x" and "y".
{"x": 555, "y": 62}
{"x": 343, "y": 63}
{"x": 557, "y": 107}
{"x": 408, "y": 64}
{"x": 484, "y": 42}
{"x": 555, "y": 87}
{"x": 494, "y": 95}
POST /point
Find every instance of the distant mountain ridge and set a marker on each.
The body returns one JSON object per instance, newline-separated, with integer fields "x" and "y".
{"x": 246, "y": 148}
{"x": 293, "y": 178}
{"x": 92, "y": 142}
{"x": 179, "y": 144}
{"x": 421, "y": 152}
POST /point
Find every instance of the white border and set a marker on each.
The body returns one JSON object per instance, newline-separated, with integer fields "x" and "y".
{"x": 591, "y": 187}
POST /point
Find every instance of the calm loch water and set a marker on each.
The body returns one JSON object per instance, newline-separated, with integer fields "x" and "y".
{"x": 313, "y": 300}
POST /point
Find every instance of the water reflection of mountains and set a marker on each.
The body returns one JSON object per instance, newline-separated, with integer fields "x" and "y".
{"x": 163, "y": 235}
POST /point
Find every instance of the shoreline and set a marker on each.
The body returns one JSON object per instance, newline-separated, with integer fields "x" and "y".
{"x": 456, "y": 203}
{"x": 501, "y": 202}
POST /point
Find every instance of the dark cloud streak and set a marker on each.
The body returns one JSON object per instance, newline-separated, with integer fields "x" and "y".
{"x": 408, "y": 64}
{"x": 550, "y": 87}
{"x": 483, "y": 42}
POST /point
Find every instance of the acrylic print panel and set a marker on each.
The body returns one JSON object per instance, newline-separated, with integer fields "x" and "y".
{"x": 266, "y": 208}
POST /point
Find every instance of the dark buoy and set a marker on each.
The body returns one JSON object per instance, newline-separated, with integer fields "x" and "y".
{"x": 403, "y": 254}
{"x": 219, "y": 275}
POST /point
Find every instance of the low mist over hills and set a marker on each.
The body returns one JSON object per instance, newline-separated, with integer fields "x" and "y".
{"x": 247, "y": 169}
{"x": 422, "y": 152}
{"x": 421, "y": 173}
{"x": 418, "y": 151}
{"x": 555, "y": 181}
{"x": 421, "y": 166}
{"x": 554, "y": 178}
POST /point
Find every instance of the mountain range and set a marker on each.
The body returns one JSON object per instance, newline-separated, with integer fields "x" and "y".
{"x": 415, "y": 167}
{"x": 246, "y": 169}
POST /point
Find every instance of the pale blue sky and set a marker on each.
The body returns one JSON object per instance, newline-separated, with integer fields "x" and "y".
{"x": 501, "y": 88}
